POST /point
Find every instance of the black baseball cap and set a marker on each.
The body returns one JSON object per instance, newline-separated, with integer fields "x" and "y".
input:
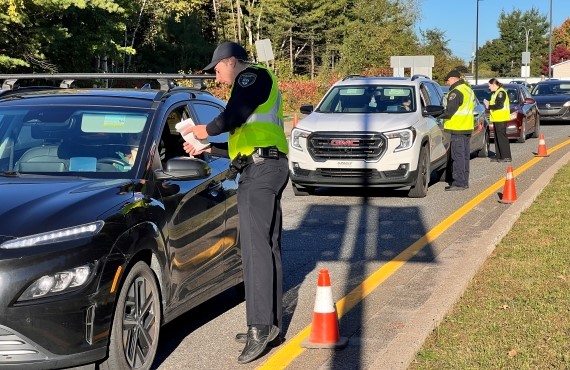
{"x": 453, "y": 73}
{"x": 225, "y": 50}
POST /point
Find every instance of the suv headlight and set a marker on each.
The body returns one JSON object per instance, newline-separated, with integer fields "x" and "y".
{"x": 406, "y": 137}
{"x": 567, "y": 104}
{"x": 296, "y": 136}
{"x": 57, "y": 236}
{"x": 60, "y": 282}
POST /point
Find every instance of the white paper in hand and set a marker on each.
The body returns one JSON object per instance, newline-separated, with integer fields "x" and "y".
{"x": 190, "y": 138}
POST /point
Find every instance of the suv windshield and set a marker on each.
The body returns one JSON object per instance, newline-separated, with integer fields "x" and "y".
{"x": 70, "y": 140}
{"x": 369, "y": 99}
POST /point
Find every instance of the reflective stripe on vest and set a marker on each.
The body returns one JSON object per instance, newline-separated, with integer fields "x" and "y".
{"x": 263, "y": 128}
{"x": 503, "y": 114}
{"x": 463, "y": 119}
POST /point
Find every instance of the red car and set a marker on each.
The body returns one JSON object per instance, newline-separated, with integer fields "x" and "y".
{"x": 525, "y": 119}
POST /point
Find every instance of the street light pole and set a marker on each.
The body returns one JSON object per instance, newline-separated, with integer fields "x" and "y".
{"x": 527, "y": 61}
{"x": 477, "y": 44}
{"x": 550, "y": 45}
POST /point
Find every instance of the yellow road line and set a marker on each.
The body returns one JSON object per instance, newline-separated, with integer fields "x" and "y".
{"x": 292, "y": 347}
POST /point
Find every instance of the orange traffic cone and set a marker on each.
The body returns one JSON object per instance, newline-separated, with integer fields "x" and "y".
{"x": 295, "y": 120}
{"x": 324, "y": 330}
{"x": 542, "y": 152}
{"x": 509, "y": 190}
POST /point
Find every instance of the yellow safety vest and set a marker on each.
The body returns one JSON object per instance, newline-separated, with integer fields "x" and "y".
{"x": 264, "y": 128}
{"x": 503, "y": 114}
{"x": 463, "y": 119}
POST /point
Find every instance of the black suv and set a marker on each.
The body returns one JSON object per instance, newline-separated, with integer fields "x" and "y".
{"x": 109, "y": 230}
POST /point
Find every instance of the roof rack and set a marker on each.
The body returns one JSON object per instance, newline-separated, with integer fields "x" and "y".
{"x": 165, "y": 80}
{"x": 420, "y": 76}
{"x": 352, "y": 76}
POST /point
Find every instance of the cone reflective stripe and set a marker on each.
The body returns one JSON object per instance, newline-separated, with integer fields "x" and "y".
{"x": 509, "y": 190}
{"x": 324, "y": 329}
{"x": 295, "y": 120}
{"x": 542, "y": 152}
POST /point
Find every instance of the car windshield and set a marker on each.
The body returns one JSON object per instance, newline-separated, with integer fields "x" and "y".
{"x": 369, "y": 99}
{"x": 562, "y": 88}
{"x": 70, "y": 141}
{"x": 483, "y": 93}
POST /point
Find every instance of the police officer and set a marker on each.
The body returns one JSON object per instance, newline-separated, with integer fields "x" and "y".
{"x": 499, "y": 113}
{"x": 459, "y": 123}
{"x": 257, "y": 146}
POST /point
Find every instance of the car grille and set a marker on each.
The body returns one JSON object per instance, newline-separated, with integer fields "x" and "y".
{"x": 324, "y": 146}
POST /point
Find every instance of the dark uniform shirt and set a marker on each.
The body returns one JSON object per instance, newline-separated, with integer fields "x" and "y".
{"x": 251, "y": 88}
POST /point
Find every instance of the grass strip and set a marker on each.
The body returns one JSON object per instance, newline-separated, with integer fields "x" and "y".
{"x": 516, "y": 312}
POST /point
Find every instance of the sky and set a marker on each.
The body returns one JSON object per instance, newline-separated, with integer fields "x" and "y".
{"x": 457, "y": 18}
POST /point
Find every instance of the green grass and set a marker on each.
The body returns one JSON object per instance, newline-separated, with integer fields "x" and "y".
{"x": 516, "y": 312}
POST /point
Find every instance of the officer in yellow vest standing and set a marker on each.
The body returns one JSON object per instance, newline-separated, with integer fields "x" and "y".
{"x": 499, "y": 114}
{"x": 257, "y": 146}
{"x": 458, "y": 116}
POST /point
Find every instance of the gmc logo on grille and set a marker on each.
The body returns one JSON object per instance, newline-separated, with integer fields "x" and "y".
{"x": 348, "y": 142}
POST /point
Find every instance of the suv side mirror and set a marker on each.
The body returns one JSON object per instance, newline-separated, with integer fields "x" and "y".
{"x": 184, "y": 168}
{"x": 306, "y": 108}
{"x": 433, "y": 110}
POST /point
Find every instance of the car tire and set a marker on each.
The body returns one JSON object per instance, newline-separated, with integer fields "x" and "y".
{"x": 420, "y": 188}
{"x": 536, "y": 132}
{"x": 302, "y": 191}
{"x": 136, "y": 322}
{"x": 486, "y": 147}
{"x": 522, "y": 135}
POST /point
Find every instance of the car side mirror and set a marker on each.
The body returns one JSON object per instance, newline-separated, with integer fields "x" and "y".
{"x": 184, "y": 168}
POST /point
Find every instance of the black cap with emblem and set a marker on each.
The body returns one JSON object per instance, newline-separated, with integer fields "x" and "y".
{"x": 225, "y": 50}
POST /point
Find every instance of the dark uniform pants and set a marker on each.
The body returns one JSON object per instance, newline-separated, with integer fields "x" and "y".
{"x": 259, "y": 206}
{"x": 460, "y": 155}
{"x": 502, "y": 144}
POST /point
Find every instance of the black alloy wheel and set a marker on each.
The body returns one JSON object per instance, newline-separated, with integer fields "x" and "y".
{"x": 136, "y": 322}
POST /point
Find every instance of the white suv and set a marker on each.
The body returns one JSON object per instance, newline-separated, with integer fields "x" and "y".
{"x": 371, "y": 132}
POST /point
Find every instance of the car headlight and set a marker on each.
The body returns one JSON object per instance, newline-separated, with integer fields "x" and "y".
{"x": 567, "y": 104}
{"x": 406, "y": 137}
{"x": 57, "y": 236}
{"x": 296, "y": 136}
{"x": 60, "y": 282}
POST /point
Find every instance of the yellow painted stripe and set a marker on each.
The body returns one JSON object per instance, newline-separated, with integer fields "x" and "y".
{"x": 292, "y": 347}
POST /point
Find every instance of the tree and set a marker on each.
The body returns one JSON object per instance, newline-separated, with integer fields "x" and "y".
{"x": 375, "y": 31}
{"x": 504, "y": 55}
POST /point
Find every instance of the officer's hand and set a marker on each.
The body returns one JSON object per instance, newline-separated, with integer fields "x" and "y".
{"x": 189, "y": 148}
{"x": 199, "y": 131}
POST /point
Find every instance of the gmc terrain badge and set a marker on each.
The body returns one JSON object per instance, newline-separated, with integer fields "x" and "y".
{"x": 347, "y": 142}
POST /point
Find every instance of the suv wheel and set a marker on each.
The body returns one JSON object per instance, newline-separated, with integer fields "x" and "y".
{"x": 136, "y": 322}
{"x": 486, "y": 147}
{"x": 420, "y": 188}
{"x": 301, "y": 191}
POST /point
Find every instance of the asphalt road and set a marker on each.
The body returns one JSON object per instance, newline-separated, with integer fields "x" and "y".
{"x": 396, "y": 265}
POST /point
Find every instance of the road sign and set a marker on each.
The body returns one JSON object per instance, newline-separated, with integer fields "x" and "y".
{"x": 525, "y": 71}
{"x": 526, "y": 57}
{"x": 264, "y": 50}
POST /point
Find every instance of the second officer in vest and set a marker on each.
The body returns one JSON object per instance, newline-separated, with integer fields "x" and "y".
{"x": 459, "y": 123}
{"x": 257, "y": 146}
{"x": 499, "y": 114}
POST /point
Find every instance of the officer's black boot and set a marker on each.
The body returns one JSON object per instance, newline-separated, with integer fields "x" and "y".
{"x": 258, "y": 336}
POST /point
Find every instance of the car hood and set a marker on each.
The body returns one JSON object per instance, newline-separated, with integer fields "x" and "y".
{"x": 551, "y": 98}
{"x": 31, "y": 206}
{"x": 354, "y": 122}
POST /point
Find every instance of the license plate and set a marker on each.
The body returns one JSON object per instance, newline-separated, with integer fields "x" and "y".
{"x": 345, "y": 164}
